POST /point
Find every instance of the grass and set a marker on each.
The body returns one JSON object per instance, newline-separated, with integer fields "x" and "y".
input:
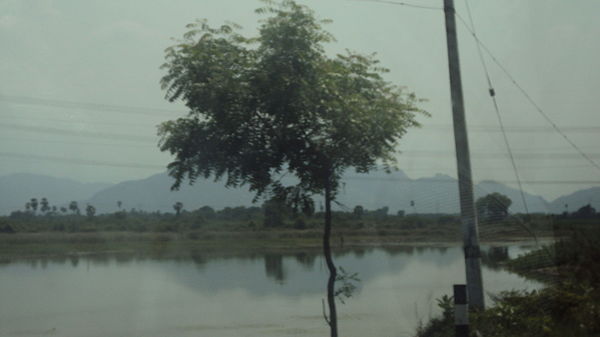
{"x": 52, "y": 243}
{"x": 569, "y": 305}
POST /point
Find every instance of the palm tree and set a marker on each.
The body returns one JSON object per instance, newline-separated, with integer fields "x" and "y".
{"x": 45, "y": 207}
{"x": 90, "y": 210}
{"x": 34, "y": 204}
{"x": 74, "y": 207}
{"x": 177, "y": 207}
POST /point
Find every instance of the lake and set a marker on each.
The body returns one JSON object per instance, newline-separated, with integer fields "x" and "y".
{"x": 223, "y": 295}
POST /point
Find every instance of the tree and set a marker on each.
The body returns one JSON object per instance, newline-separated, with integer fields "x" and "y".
{"x": 74, "y": 207}
{"x": 45, "y": 206}
{"x": 586, "y": 211}
{"x": 34, "y": 204}
{"x": 90, "y": 211}
{"x": 207, "y": 212}
{"x": 276, "y": 104}
{"x": 381, "y": 212}
{"x": 493, "y": 207}
{"x": 413, "y": 205}
{"x": 177, "y": 207}
{"x": 274, "y": 212}
{"x": 358, "y": 211}
{"x": 119, "y": 204}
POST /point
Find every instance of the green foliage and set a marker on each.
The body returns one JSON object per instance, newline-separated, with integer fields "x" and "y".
{"x": 556, "y": 311}
{"x": 439, "y": 326}
{"x": 90, "y": 211}
{"x": 347, "y": 286}
{"x": 576, "y": 256}
{"x": 34, "y": 204}
{"x": 426, "y": 226}
{"x": 300, "y": 223}
{"x": 74, "y": 207}
{"x": 568, "y": 306}
{"x": 44, "y": 205}
{"x": 274, "y": 212}
{"x": 264, "y": 105}
{"x": 358, "y": 211}
{"x": 586, "y": 211}
{"x": 493, "y": 207}
{"x": 178, "y": 206}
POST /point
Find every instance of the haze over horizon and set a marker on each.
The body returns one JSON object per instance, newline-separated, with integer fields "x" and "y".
{"x": 81, "y": 97}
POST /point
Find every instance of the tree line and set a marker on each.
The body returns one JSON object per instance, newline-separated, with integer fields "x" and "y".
{"x": 272, "y": 214}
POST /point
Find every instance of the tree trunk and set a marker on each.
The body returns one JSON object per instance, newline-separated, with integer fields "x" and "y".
{"x": 332, "y": 321}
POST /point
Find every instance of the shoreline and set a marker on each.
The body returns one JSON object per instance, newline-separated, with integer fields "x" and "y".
{"x": 52, "y": 244}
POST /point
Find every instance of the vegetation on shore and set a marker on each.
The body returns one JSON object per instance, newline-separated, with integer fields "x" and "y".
{"x": 569, "y": 304}
{"x": 31, "y": 233}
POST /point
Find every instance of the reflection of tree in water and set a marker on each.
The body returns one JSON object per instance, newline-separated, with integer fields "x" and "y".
{"x": 307, "y": 260}
{"x": 360, "y": 252}
{"x": 121, "y": 258}
{"x": 102, "y": 259}
{"x": 398, "y": 250}
{"x": 199, "y": 259}
{"x": 274, "y": 267}
{"x": 494, "y": 256}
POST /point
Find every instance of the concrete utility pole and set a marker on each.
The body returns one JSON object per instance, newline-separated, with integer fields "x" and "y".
{"x": 463, "y": 161}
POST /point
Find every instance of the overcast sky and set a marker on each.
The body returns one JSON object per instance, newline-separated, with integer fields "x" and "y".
{"x": 80, "y": 94}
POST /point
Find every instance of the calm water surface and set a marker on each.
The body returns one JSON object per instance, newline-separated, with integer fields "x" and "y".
{"x": 261, "y": 294}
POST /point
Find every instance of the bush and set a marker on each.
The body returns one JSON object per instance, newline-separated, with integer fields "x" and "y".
{"x": 299, "y": 224}
{"x": 7, "y": 228}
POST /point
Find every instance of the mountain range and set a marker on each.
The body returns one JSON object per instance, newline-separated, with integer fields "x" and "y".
{"x": 437, "y": 194}
{"x": 17, "y": 189}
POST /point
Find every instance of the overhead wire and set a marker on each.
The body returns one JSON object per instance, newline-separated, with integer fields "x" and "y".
{"x": 86, "y": 105}
{"x": 79, "y": 161}
{"x": 400, "y": 3}
{"x": 69, "y": 132}
{"x": 429, "y": 127}
{"x": 526, "y": 94}
{"x": 492, "y": 93}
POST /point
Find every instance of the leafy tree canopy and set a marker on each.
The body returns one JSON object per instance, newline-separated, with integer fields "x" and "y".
{"x": 273, "y": 104}
{"x": 493, "y": 206}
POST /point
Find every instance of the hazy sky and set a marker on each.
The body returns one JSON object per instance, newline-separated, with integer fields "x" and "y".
{"x": 80, "y": 94}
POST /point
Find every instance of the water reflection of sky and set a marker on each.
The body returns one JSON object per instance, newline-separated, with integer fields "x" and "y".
{"x": 212, "y": 295}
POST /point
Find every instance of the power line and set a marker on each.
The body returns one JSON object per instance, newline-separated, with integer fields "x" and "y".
{"x": 526, "y": 95}
{"x": 78, "y": 143}
{"x": 402, "y": 4}
{"x": 79, "y": 161}
{"x": 514, "y": 129}
{"x": 427, "y": 127}
{"x": 63, "y": 132}
{"x": 453, "y": 181}
{"x": 497, "y": 110}
{"x": 525, "y": 155}
{"x": 74, "y": 121}
{"x": 86, "y": 105}
{"x": 87, "y": 162}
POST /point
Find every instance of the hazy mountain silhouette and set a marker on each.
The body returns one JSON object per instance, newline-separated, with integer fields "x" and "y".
{"x": 576, "y": 200}
{"x": 438, "y": 194}
{"x": 154, "y": 193}
{"x": 17, "y": 189}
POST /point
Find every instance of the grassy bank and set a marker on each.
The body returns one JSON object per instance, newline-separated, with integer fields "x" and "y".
{"x": 53, "y": 243}
{"x": 569, "y": 305}
{"x": 272, "y": 226}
